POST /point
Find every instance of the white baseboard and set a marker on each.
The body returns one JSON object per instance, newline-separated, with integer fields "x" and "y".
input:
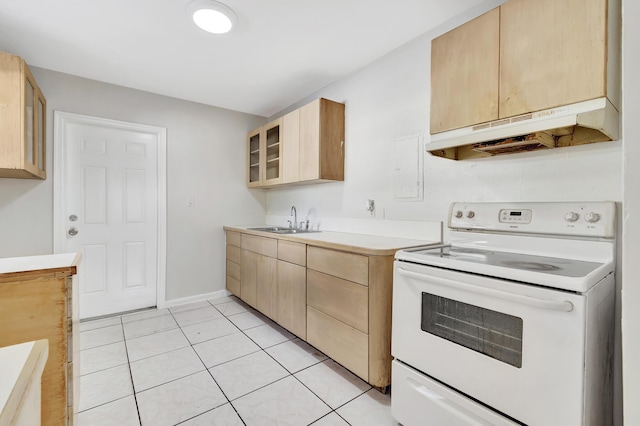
{"x": 197, "y": 298}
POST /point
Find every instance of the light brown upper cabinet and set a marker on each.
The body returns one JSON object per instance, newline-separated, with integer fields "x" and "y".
{"x": 322, "y": 141}
{"x": 306, "y": 145}
{"x": 464, "y": 74}
{"x": 553, "y": 53}
{"x": 22, "y": 121}
{"x": 522, "y": 57}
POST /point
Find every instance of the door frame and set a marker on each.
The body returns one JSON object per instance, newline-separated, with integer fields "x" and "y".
{"x": 61, "y": 119}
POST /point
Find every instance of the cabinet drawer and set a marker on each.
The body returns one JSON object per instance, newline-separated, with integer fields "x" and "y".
{"x": 344, "y": 344}
{"x": 233, "y": 270}
{"x": 233, "y": 254}
{"x": 343, "y": 300}
{"x": 292, "y": 252}
{"x": 352, "y": 267}
{"x": 233, "y": 238}
{"x": 233, "y": 285}
{"x": 261, "y": 245}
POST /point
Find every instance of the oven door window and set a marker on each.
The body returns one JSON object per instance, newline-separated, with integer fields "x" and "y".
{"x": 491, "y": 333}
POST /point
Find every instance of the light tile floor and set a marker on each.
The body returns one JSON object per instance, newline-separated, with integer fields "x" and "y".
{"x": 217, "y": 362}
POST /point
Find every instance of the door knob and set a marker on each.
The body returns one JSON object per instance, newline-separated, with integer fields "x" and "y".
{"x": 72, "y": 231}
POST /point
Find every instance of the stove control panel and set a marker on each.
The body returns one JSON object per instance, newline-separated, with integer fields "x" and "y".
{"x": 515, "y": 216}
{"x": 588, "y": 219}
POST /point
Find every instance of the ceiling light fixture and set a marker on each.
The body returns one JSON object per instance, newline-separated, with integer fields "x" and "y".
{"x": 212, "y": 16}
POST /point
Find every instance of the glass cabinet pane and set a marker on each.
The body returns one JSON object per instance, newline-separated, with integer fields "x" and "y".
{"x": 41, "y": 134}
{"x": 254, "y": 158}
{"x": 273, "y": 153}
{"x": 29, "y": 136}
{"x": 491, "y": 333}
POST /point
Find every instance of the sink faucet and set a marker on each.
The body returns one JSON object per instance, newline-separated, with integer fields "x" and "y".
{"x": 295, "y": 217}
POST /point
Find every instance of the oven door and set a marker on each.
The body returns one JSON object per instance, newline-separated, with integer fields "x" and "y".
{"x": 517, "y": 348}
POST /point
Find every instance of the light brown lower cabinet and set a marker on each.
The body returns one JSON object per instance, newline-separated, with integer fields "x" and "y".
{"x": 233, "y": 258}
{"x": 42, "y": 304}
{"x": 343, "y": 343}
{"x": 266, "y": 294}
{"x": 249, "y": 278}
{"x": 292, "y": 298}
{"x": 338, "y": 301}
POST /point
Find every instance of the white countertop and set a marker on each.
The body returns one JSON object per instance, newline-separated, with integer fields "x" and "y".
{"x": 36, "y": 263}
{"x": 371, "y": 244}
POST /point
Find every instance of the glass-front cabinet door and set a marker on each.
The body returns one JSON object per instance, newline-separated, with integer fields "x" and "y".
{"x": 273, "y": 152}
{"x": 34, "y": 122}
{"x": 254, "y": 158}
{"x": 41, "y": 119}
{"x": 29, "y": 121}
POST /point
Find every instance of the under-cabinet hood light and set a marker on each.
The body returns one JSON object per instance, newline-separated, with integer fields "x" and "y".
{"x": 212, "y": 16}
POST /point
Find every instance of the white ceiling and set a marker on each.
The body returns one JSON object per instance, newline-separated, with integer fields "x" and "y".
{"x": 280, "y": 52}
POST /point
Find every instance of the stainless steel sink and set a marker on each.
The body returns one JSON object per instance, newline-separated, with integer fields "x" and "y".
{"x": 282, "y": 230}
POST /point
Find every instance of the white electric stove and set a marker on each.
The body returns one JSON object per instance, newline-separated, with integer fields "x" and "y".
{"x": 511, "y": 322}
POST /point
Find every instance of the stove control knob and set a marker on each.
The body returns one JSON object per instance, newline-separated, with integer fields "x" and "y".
{"x": 470, "y": 215}
{"x": 592, "y": 217}
{"x": 571, "y": 216}
{"x": 459, "y": 214}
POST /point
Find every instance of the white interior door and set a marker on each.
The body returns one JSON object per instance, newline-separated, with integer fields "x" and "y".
{"x": 109, "y": 195}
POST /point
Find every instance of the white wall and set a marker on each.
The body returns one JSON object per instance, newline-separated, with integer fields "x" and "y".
{"x": 631, "y": 225}
{"x": 389, "y": 99}
{"x": 206, "y": 159}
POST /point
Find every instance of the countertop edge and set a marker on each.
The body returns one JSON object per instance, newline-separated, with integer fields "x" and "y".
{"x": 44, "y": 263}
{"x": 302, "y": 238}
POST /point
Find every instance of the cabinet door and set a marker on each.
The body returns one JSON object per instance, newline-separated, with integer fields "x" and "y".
{"x": 464, "y": 74}
{"x": 248, "y": 277}
{"x": 292, "y": 298}
{"x": 291, "y": 147}
{"x": 255, "y": 150}
{"x": 553, "y": 53}
{"x": 272, "y": 134}
{"x": 266, "y": 292}
{"x": 30, "y": 123}
{"x": 309, "y": 166}
{"x": 40, "y": 126}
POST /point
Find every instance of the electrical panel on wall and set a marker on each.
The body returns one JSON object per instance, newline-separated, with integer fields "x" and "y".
{"x": 407, "y": 163}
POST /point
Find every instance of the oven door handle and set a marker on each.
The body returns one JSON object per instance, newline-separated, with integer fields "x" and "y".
{"x": 553, "y": 305}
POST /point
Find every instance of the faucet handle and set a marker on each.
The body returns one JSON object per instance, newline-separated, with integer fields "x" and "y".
{"x": 307, "y": 225}
{"x": 290, "y": 225}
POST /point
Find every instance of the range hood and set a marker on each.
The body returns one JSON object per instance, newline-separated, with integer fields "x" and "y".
{"x": 596, "y": 120}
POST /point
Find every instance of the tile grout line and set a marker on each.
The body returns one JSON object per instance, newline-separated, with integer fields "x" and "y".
{"x": 208, "y": 371}
{"x": 133, "y": 386}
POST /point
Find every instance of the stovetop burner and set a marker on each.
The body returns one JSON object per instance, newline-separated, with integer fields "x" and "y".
{"x": 531, "y": 266}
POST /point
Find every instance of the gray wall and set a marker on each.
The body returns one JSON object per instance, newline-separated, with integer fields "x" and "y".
{"x": 205, "y": 159}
